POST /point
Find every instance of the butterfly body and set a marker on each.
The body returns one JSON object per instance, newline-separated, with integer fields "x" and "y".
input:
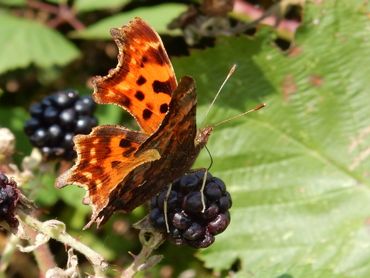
{"x": 179, "y": 147}
{"x": 123, "y": 168}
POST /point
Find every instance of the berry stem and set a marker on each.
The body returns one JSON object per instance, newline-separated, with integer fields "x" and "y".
{"x": 150, "y": 241}
{"x": 62, "y": 236}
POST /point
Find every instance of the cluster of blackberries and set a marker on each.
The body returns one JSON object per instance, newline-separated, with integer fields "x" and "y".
{"x": 188, "y": 220}
{"x": 9, "y": 196}
{"x": 55, "y": 121}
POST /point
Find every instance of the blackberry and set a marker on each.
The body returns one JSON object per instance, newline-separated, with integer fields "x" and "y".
{"x": 9, "y": 196}
{"x": 56, "y": 120}
{"x": 188, "y": 221}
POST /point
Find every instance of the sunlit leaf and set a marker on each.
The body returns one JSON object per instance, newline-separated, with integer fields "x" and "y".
{"x": 24, "y": 42}
{"x": 298, "y": 170}
{"x": 13, "y": 2}
{"x": 154, "y": 16}
{"x": 92, "y": 5}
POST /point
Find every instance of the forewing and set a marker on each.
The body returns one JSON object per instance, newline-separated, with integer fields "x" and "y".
{"x": 144, "y": 80}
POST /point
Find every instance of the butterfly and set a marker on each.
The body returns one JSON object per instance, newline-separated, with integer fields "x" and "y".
{"x": 122, "y": 168}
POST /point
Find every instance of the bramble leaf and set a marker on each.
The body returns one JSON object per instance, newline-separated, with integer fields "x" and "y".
{"x": 154, "y": 16}
{"x": 25, "y": 42}
{"x": 298, "y": 170}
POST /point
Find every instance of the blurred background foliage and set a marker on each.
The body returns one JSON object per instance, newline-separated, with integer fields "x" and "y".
{"x": 298, "y": 171}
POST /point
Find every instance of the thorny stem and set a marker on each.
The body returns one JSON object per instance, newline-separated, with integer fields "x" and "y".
{"x": 96, "y": 259}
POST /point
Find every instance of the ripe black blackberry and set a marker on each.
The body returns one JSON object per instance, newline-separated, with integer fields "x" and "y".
{"x": 188, "y": 221}
{"x": 56, "y": 119}
{"x": 9, "y": 197}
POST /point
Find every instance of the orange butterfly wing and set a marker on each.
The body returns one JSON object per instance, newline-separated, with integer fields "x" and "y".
{"x": 121, "y": 168}
{"x": 104, "y": 158}
{"x": 144, "y": 80}
{"x": 142, "y": 83}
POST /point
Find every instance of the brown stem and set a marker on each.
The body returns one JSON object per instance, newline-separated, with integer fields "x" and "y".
{"x": 63, "y": 14}
{"x": 62, "y": 236}
{"x": 69, "y": 16}
{"x": 55, "y": 22}
{"x": 51, "y": 9}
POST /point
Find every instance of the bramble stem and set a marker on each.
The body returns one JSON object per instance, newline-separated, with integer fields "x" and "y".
{"x": 62, "y": 236}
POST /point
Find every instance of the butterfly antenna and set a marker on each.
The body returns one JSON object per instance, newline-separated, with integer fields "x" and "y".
{"x": 258, "y": 107}
{"x": 231, "y": 71}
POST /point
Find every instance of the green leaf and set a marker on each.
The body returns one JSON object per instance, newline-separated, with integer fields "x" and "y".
{"x": 154, "y": 16}
{"x": 92, "y": 239}
{"x": 56, "y": 1}
{"x": 24, "y": 42}
{"x": 298, "y": 170}
{"x": 73, "y": 196}
{"x": 297, "y": 270}
{"x": 92, "y": 5}
{"x": 109, "y": 114}
{"x": 45, "y": 194}
{"x": 13, "y": 2}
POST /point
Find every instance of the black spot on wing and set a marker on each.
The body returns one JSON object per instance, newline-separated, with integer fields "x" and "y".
{"x": 147, "y": 114}
{"x": 139, "y": 95}
{"x": 162, "y": 87}
{"x": 115, "y": 163}
{"x": 141, "y": 80}
{"x": 163, "y": 108}
{"x": 124, "y": 143}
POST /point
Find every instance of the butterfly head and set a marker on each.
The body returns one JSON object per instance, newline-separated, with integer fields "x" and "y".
{"x": 202, "y": 136}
